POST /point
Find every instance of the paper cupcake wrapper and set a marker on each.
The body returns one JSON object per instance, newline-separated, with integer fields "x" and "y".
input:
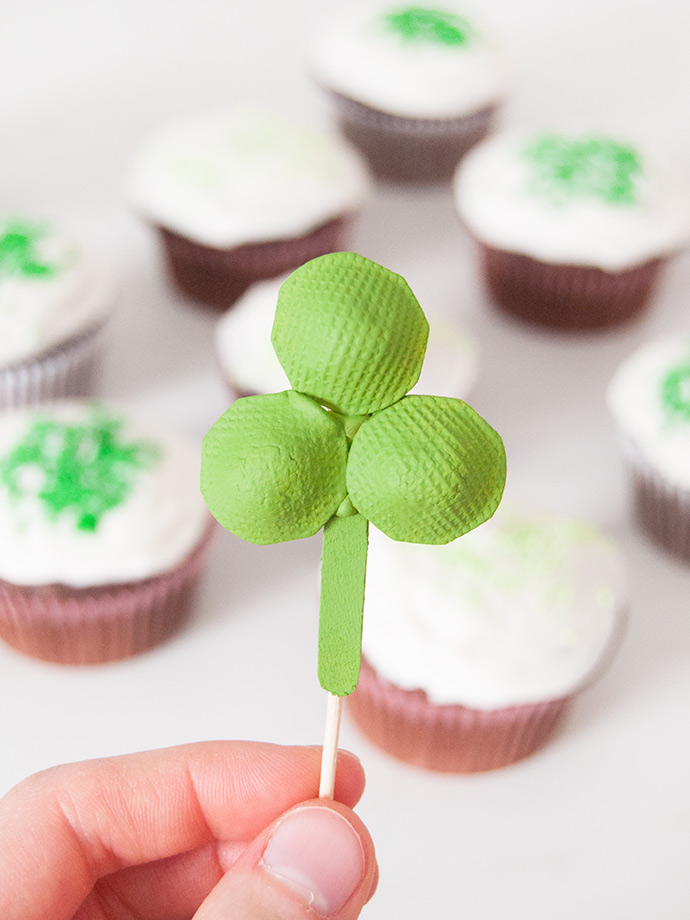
{"x": 567, "y": 297}
{"x": 410, "y": 149}
{"x": 68, "y": 370}
{"x": 95, "y": 625}
{"x": 449, "y": 738}
{"x": 218, "y": 277}
{"x": 661, "y": 508}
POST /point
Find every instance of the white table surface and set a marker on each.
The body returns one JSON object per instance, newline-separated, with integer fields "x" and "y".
{"x": 598, "y": 824}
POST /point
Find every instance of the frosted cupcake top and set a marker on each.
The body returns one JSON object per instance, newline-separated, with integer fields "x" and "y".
{"x": 49, "y": 290}
{"x": 574, "y": 198}
{"x": 649, "y": 398}
{"x": 230, "y": 177}
{"x": 412, "y": 60}
{"x": 249, "y": 363}
{"x": 91, "y": 497}
{"x": 520, "y": 610}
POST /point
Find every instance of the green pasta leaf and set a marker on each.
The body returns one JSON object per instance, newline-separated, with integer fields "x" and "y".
{"x": 426, "y": 470}
{"x": 350, "y": 333}
{"x": 273, "y": 467}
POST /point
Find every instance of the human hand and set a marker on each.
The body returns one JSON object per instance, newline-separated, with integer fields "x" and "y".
{"x": 227, "y": 829}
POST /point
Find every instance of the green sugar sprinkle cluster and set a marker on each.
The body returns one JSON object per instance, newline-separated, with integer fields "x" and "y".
{"x": 675, "y": 392}
{"x": 418, "y": 24}
{"x": 82, "y": 469}
{"x": 530, "y": 556}
{"x": 585, "y": 167}
{"x": 19, "y": 256}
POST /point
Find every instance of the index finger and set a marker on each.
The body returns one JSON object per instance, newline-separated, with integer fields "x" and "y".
{"x": 68, "y": 826}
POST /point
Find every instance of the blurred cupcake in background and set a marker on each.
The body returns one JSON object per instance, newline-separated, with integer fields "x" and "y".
{"x": 54, "y": 302}
{"x": 249, "y": 365}
{"x": 474, "y": 650}
{"x": 573, "y": 228}
{"x": 242, "y": 195}
{"x": 102, "y": 532}
{"x": 413, "y": 86}
{"x": 649, "y": 400}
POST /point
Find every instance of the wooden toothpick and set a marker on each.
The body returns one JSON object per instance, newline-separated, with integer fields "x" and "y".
{"x": 334, "y": 708}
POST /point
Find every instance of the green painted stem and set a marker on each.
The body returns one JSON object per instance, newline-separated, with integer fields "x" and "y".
{"x": 343, "y": 571}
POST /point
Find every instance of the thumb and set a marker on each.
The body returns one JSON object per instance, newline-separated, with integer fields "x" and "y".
{"x": 317, "y": 858}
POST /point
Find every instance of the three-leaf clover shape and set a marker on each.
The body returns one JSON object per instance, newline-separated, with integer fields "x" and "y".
{"x": 347, "y": 446}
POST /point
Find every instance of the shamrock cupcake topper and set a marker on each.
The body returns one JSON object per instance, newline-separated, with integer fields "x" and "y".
{"x": 346, "y": 446}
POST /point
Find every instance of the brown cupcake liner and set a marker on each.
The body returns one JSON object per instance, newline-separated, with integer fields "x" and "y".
{"x": 79, "y": 626}
{"x": 410, "y": 149}
{"x": 218, "y": 277}
{"x": 567, "y": 297}
{"x": 661, "y": 509}
{"x": 67, "y": 370}
{"x": 449, "y": 738}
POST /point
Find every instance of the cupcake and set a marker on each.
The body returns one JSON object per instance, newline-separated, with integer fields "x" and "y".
{"x": 649, "y": 399}
{"x": 473, "y": 650}
{"x": 102, "y": 532}
{"x": 54, "y": 301}
{"x": 249, "y": 364}
{"x": 414, "y": 87}
{"x": 241, "y": 195}
{"x": 573, "y": 228}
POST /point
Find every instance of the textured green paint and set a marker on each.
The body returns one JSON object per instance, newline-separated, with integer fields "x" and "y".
{"x": 19, "y": 251}
{"x": 426, "y": 470}
{"x": 675, "y": 392}
{"x": 273, "y": 467}
{"x": 82, "y": 469}
{"x": 343, "y": 573}
{"x": 351, "y": 338}
{"x": 350, "y": 333}
{"x": 419, "y": 24}
{"x": 583, "y": 167}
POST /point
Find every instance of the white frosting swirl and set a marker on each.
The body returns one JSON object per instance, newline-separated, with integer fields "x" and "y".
{"x": 520, "y": 610}
{"x": 39, "y": 311}
{"x": 249, "y": 363}
{"x": 496, "y": 199}
{"x": 358, "y": 56}
{"x": 230, "y": 177}
{"x": 160, "y": 521}
{"x": 638, "y": 402}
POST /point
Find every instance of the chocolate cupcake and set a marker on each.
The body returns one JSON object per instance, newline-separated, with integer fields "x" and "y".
{"x": 414, "y": 87}
{"x": 649, "y": 399}
{"x": 573, "y": 229}
{"x": 249, "y": 364}
{"x": 241, "y": 195}
{"x": 474, "y": 650}
{"x": 54, "y": 301}
{"x": 102, "y": 532}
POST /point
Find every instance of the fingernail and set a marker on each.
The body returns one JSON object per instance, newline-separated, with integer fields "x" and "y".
{"x": 319, "y": 854}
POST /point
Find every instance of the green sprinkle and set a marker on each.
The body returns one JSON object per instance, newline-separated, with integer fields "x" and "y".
{"x": 83, "y": 470}
{"x": 532, "y": 556}
{"x": 429, "y": 26}
{"x": 19, "y": 251}
{"x": 675, "y": 392}
{"x": 586, "y": 167}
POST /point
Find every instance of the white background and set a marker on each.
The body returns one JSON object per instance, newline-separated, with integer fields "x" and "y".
{"x": 596, "y": 825}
